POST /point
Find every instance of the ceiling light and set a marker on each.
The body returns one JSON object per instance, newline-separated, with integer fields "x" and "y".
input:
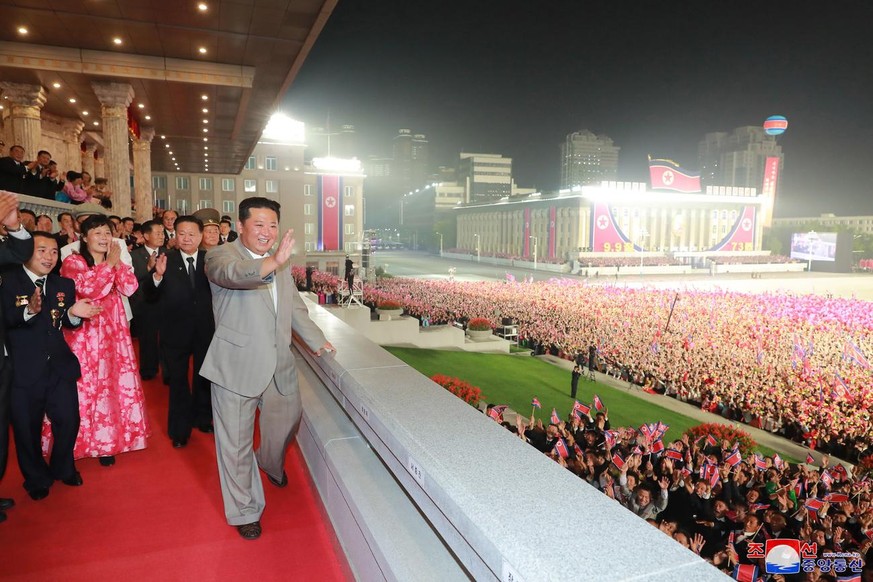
{"x": 72, "y": 99}
{"x": 205, "y": 155}
{"x": 117, "y": 41}
{"x": 205, "y": 121}
{"x": 202, "y": 50}
{"x": 205, "y": 147}
{"x": 56, "y": 85}
{"x": 202, "y": 7}
{"x": 205, "y": 130}
{"x": 174, "y": 159}
{"x": 22, "y": 30}
{"x": 141, "y": 105}
{"x": 148, "y": 117}
{"x": 204, "y": 97}
{"x": 205, "y": 139}
{"x": 1, "y": 108}
{"x": 96, "y": 123}
{"x": 205, "y": 110}
{"x": 163, "y": 137}
{"x": 85, "y": 113}
{"x": 171, "y": 153}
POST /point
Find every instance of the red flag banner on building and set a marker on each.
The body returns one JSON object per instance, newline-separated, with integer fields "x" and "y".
{"x": 668, "y": 175}
{"x": 330, "y": 227}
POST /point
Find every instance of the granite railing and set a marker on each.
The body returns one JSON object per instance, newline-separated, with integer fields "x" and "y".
{"x": 421, "y": 486}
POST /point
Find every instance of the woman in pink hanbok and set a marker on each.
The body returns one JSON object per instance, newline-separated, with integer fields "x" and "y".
{"x": 111, "y": 402}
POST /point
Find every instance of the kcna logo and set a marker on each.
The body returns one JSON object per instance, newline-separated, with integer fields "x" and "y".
{"x": 782, "y": 556}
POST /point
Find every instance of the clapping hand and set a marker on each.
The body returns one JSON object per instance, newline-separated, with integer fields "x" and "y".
{"x": 34, "y": 304}
{"x": 113, "y": 257}
{"x": 283, "y": 253}
{"x": 160, "y": 265}
{"x": 85, "y": 309}
{"x": 9, "y": 210}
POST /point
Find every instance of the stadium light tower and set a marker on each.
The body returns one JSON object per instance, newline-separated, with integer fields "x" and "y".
{"x": 536, "y": 248}
{"x": 478, "y": 254}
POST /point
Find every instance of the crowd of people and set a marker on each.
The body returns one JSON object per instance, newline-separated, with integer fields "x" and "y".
{"x": 41, "y": 178}
{"x": 72, "y": 385}
{"x": 793, "y": 364}
{"x": 715, "y": 501}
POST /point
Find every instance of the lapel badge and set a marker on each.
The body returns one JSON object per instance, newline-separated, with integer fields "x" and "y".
{"x": 21, "y": 300}
{"x": 61, "y": 296}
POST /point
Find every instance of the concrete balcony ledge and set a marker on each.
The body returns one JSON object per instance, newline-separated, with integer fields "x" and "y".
{"x": 420, "y": 485}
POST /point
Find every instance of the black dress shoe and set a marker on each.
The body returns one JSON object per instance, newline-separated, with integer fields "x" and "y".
{"x": 280, "y": 484}
{"x": 179, "y": 443}
{"x": 6, "y": 503}
{"x": 250, "y": 531}
{"x": 206, "y": 428}
{"x": 107, "y": 461}
{"x": 74, "y": 481}
{"x": 37, "y": 494}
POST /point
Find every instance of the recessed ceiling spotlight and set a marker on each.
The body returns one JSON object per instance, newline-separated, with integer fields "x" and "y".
{"x": 85, "y": 113}
{"x": 205, "y": 110}
{"x": 117, "y": 41}
{"x": 171, "y": 153}
{"x": 163, "y": 137}
{"x": 72, "y": 99}
{"x": 204, "y": 97}
{"x": 202, "y": 50}
{"x": 148, "y": 117}
{"x": 141, "y": 105}
{"x": 205, "y": 130}
{"x": 202, "y": 7}
{"x": 22, "y": 30}
{"x": 174, "y": 159}
{"x": 56, "y": 85}
{"x": 205, "y": 121}
{"x": 96, "y": 123}
{"x": 206, "y": 155}
{"x": 205, "y": 139}
{"x": 205, "y": 147}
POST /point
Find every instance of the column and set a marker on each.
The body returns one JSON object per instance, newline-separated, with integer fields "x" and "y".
{"x": 142, "y": 174}
{"x": 99, "y": 165}
{"x": 115, "y": 98}
{"x": 26, "y": 103}
{"x": 88, "y": 158}
{"x": 73, "y": 151}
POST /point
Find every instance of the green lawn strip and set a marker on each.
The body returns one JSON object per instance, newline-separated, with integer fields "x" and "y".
{"x": 515, "y": 380}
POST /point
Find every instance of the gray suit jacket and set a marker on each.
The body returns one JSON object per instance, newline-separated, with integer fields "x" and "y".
{"x": 251, "y": 343}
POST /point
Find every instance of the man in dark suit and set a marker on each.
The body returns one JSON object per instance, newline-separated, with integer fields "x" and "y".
{"x": 226, "y": 231}
{"x": 15, "y": 249}
{"x": 36, "y": 305}
{"x": 41, "y": 179}
{"x": 145, "y": 313}
{"x": 12, "y": 170}
{"x": 181, "y": 290}
{"x": 168, "y": 219}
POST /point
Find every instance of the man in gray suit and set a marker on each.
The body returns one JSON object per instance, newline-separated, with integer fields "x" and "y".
{"x": 249, "y": 362}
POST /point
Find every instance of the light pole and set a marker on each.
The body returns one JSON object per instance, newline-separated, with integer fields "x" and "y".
{"x": 809, "y": 238}
{"x": 478, "y": 253}
{"x": 441, "y": 243}
{"x": 536, "y": 248}
{"x": 643, "y": 236}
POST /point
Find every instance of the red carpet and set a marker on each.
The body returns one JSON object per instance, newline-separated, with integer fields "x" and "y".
{"x": 157, "y": 515}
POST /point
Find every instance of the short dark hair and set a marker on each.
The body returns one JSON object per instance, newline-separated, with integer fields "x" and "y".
{"x": 128, "y": 219}
{"x": 257, "y": 202}
{"x": 63, "y": 214}
{"x": 41, "y": 152}
{"x": 43, "y": 234}
{"x": 27, "y": 211}
{"x": 89, "y": 224}
{"x": 226, "y": 221}
{"x": 16, "y": 146}
{"x": 44, "y": 216}
{"x": 191, "y": 219}
{"x": 114, "y": 217}
{"x": 169, "y": 210}
{"x": 149, "y": 225}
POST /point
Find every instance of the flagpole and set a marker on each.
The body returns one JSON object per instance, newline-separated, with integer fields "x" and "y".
{"x": 672, "y": 307}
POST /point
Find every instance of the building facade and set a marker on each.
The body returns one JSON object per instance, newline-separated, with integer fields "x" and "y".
{"x": 737, "y": 158}
{"x": 859, "y": 224}
{"x": 588, "y": 159}
{"x": 322, "y": 200}
{"x": 486, "y": 177}
{"x": 616, "y": 217}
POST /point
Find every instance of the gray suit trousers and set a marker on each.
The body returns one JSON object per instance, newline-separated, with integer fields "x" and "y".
{"x": 238, "y": 462}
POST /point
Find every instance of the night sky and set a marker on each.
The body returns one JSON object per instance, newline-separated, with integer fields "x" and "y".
{"x": 515, "y": 77}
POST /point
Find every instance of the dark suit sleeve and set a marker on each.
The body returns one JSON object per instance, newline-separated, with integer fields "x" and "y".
{"x": 12, "y": 315}
{"x": 15, "y": 251}
{"x": 70, "y": 289}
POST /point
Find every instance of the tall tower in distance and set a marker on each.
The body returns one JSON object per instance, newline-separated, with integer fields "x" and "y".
{"x": 587, "y": 158}
{"x": 737, "y": 158}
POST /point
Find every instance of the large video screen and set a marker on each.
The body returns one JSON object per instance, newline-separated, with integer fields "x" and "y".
{"x": 814, "y": 246}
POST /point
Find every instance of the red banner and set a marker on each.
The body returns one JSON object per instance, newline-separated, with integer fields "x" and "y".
{"x": 526, "y": 242}
{"x": 553, "y": 215}
{"x": 330, "y": 225}
{"x": 771, "y": 175}
{"x": 605, "y": 234}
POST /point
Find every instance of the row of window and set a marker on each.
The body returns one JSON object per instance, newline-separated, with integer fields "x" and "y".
{"x": 205, "y": 184}
{"x": 270, "y": 163}
{"x": 309, "y": 228}
{"x": 349, "y": 209}
{"x": 182, "y": 205}
{"x": 348, "y": 191}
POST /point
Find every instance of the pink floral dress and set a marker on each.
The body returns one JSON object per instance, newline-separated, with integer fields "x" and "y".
{"x": 111, "y": 401}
